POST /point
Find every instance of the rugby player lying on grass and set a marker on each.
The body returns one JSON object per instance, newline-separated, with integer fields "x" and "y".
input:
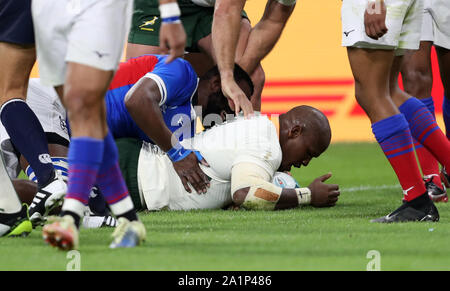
{"x": 155, "y": 101}
{"x": 244, "y": 155}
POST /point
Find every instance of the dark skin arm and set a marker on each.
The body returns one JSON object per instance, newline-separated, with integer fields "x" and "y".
{"x": 322, "y": 195}
{"x": 142, "y": 102}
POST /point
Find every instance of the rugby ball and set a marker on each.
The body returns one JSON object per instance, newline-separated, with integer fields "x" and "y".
{"x": 284, "y": 180}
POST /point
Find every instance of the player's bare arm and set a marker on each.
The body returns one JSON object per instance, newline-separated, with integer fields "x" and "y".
{"x": 265, "y": 34}
{"x": 172, "y": 37}
{"x": 375, "y": 19}
{"x": 225, "y": 35}
{"x": 142, "y": 102}
{"x": 263, "y": 195}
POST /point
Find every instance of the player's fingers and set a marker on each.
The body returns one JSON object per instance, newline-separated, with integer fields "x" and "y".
{"x": 378, "y": 29}
{"x": 163, "y": 47}
{"x": 383, "y": 27}
{"x": 368, "y": 28}
{"x": 203, "y": 179}
{"x": 193, "y": 183}
{"x": 325, "y": 177}
{"x": 172, "y": 56}
{"x": 334, "y": 194}
{"x": 332, "y": 201}
{"x": 185, "y": 184}
{"x": 197, "y": 182}
{"x": 372, "y": 31}
{"x": 237, "y": 107}
{"x": 333, "y": 187}
{"x": 204, "y": 163}
{"x": 248, "y": 109}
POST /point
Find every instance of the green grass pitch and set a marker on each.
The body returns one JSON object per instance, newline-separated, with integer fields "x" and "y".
{"x": 338, "y": 238}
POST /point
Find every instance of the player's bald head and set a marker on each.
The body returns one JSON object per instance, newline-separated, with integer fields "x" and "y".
{"x": 313, "y": 121}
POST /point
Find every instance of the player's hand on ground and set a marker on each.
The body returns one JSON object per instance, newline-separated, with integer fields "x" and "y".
{"x": 323, "y": 195}
{"x": 375, "y": 19}
{"x": 190, "y": 173}
{"x": 172, "y": 40}
{"x": 236, "y": 97}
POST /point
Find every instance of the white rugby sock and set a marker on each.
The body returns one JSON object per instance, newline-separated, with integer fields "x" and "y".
{"x": 9, "y": 202}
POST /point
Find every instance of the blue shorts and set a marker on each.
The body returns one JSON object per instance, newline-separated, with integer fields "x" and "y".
{"x": 16, "y": 24}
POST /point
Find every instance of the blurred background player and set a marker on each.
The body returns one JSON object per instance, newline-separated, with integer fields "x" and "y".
{"x": 261, "y": 40}
{"x": 17, "y": 57}
{"x": 79, "y": 46}
{"x": 197, "y": 18}
{"x": 417, "y": 77}
{"x": 375, "y": 58}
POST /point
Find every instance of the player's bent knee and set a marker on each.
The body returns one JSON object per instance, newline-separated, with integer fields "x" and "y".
{"x": 80, "y": 100}
{"x": 418, "y": 83}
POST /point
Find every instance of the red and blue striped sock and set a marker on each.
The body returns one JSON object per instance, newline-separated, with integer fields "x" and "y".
{"x": 85, "y": 156}
{"x": 395, "y": 139}
{"x": 426, "y": 131}
{"x": 446, "y": 115}
{"x": 428, "y": 163}
{"x": 111, "y": 182}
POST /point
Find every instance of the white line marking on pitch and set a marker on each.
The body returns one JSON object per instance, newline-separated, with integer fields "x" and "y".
{"x": 370, "y": 188}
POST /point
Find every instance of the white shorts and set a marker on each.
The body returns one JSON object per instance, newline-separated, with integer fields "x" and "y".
{"x": 161, "y": 188}
{"x": 403, "y": 20}
{"x": 88, "y": 32}
{"x": 44, "y": 102}
{"x": 436, "y": 22}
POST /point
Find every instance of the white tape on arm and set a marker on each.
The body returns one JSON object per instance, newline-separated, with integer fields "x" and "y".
{"x": 262, "y": 195}
{"x": 303, "y": 195}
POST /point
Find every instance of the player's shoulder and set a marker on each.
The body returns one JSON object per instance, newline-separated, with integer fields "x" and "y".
{"x": 258, "y": 122}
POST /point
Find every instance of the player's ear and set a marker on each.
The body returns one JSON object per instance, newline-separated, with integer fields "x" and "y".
{"x": 296, "y": 131}
{"x": 214, "y": 83}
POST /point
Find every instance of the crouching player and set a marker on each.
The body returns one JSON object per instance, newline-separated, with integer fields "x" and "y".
{"x": 244, "y": 155}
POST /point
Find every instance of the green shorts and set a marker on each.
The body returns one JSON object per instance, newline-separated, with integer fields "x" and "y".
{"x": 197, "y": 22}
{"x": 129, "y": 150}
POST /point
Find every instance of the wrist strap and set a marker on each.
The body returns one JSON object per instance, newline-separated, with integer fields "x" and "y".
{"x": 303, "y": 195}
{"x": 174, "y": 19}
{"x": 178, "y": 153}
{"x": 169, "y": 10}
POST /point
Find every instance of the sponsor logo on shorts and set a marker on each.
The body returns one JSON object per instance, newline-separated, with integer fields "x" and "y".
{"x": 148, "y": 23}
{"x": 348, "y": 32}
{"x": 100, "y": 54}
{"x": 45, "y": 159}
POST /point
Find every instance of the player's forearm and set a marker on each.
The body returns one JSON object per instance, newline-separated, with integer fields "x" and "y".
{"x": 271, "y": 197}
{"x": 265, "y": 34}
{"x": 225, "y": 34}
